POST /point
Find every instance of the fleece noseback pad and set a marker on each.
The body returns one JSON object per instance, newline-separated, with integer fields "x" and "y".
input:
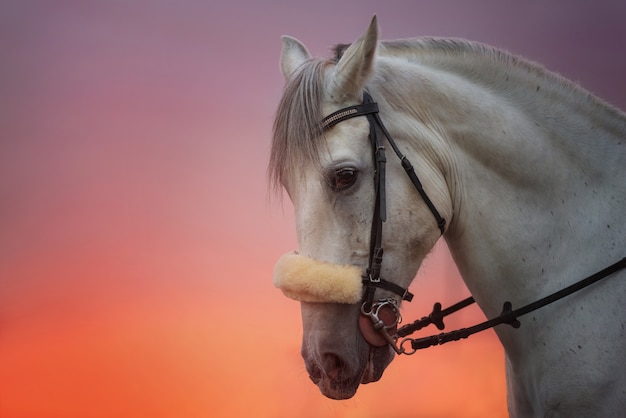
{"x": 307, "y": 280}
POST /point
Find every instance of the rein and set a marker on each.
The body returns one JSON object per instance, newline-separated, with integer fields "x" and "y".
{"x": 508, "y": 316}
{"x": 378, "y": 313}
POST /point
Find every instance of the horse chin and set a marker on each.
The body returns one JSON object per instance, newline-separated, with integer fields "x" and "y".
{"x": 338, "y": 390}
{"x": 379, "y": 359}
{"x": 345, "y": 387}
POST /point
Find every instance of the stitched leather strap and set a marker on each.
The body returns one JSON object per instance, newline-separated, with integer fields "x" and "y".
{"x": 348, "y": 113}
{"x": 369, "y": 108}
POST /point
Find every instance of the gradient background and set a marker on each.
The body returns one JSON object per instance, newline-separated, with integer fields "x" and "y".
{"x": 137, "y": 233}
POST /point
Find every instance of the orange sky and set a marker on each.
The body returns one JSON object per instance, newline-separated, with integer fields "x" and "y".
{"x": 138, "y": 235}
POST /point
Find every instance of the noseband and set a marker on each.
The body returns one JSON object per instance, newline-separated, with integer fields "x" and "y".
{"x": 369, "y": 109}
{"x": 378, "y": 321}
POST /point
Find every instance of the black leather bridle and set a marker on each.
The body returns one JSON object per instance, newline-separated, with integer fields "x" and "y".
{"x": 372, "y": 280}
{"x": 369, "y": 109}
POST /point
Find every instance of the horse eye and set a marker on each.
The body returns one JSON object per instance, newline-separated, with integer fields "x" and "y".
{"x": 343, "y": 178}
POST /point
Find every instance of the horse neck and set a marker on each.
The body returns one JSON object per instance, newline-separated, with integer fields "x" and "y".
{"x": 535, "y": 168}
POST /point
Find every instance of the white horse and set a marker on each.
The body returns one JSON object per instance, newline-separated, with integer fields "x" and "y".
{"x": 528, "y": 169}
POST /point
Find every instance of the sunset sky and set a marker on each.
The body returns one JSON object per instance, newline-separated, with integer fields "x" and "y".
{"x": 137, "y": 231}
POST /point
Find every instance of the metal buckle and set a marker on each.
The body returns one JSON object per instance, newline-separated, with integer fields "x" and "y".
{"x": 380, "y": 326}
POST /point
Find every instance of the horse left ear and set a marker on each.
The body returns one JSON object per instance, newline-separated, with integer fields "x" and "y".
{"x": 355, "y": 66}
{"x": 293, "y": 55}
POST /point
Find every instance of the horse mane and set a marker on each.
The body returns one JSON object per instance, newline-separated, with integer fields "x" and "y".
{"x": 497, "y": 69}
{"x": 297, "y": 127}
{"x": 474, "y": 60}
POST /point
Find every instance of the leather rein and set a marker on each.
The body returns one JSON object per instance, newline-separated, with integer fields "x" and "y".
{"x": 384, "y": 315}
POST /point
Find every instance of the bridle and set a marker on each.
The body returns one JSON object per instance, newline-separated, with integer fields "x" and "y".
{"x": 369, "y": 109}
{"x": 384, "y": 315}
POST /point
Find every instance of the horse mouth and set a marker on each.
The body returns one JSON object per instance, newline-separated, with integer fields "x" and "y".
{"x": 376, "y": 364}
{"x": 343, "y": 386}
{"x": 336, "y": 389}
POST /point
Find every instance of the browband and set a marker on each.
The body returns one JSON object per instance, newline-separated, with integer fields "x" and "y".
{"x": 348, "y": 113}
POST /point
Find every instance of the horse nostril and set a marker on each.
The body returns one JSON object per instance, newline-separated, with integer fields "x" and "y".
{"x": 315, "y": 374}
{"x": 333, "y": 366}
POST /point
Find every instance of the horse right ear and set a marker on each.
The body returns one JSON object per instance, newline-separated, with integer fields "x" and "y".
{"x": 355, "y": 67}
{"x": 293, "y": 55}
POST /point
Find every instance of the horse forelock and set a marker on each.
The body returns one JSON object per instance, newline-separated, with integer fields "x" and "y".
{"x": 338, "y": 51}
{"x": 298, "y": 123}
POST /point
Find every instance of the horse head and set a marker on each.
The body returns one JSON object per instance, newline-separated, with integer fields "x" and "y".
{"x": 329, "y": 175}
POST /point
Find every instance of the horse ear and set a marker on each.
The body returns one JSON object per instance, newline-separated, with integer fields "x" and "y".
{"x": 355, "y": 66}
{"x": 293, "y": 55}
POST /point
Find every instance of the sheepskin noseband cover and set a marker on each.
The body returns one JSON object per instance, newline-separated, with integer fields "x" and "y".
{"x": 308, "y": 280}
